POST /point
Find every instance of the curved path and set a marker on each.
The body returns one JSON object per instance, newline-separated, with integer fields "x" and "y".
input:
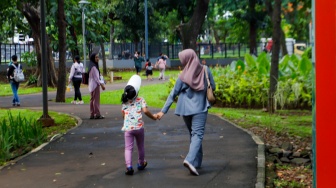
{"x": 92, "y": 154}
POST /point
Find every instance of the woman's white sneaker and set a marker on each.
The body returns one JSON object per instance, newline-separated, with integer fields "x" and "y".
{"x": 191, "y": 168}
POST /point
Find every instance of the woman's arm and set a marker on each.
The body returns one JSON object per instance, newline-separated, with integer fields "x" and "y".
{"x": 212, "y": 81}
{"x": 72, "y": 72}
{"x": 171, "y": 97}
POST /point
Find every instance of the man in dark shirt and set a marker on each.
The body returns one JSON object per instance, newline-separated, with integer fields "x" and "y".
{"x": 138, "y": 62}
{"x": 14, "y": 84}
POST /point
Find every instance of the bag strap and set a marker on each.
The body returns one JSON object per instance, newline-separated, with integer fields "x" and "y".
{"x": 17, "y": 68}
{"x": 206, "y": 74}
{"x": 14, "y": 65}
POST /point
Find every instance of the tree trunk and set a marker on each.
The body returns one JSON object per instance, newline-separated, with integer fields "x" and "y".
{"x": 74, "y": 51}
{"x": 32, "y": 14}
{"x": 102, "y": 47}
{"x": 276, "y": 19}
{"x": 253, "y": 27}
{"x": 189, "y": 31}
{"x": 269, "y": 9}
{"x": 60, "y": 95}
{"x": 283, "y": 43}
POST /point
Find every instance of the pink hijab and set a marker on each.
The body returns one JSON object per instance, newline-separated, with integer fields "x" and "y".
{"x": 193, "y": 73}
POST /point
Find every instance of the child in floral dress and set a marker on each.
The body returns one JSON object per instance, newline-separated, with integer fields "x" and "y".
{"x": 132, "y": 108}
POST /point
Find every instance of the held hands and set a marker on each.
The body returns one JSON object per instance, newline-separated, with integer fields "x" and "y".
{"x": 159, "y": 115}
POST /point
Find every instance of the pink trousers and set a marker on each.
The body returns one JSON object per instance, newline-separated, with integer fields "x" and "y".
{"x": 95, "y": 102}
{"x": 139, "y": 136}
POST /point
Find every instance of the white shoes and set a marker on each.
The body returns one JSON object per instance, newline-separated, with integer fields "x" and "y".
{"x": 75, "y": 102}
{"x": 191, "y": 168}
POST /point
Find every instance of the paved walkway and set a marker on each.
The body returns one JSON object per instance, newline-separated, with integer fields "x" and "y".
{"x": 92, "y": 154}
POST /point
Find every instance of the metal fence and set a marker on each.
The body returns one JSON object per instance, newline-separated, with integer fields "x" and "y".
{"x": 223, "y": 50}
{"x": 8, "y": 50}
{"x": 126, "y": 50}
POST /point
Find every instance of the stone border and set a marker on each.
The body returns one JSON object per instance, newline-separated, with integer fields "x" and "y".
{"x": 260, "y": 183}
{"x": 52, "y": 139}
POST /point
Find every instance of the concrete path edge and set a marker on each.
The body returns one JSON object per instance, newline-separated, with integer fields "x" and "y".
{"x": 260, "y": 182}
{"x": 52, "y": 139}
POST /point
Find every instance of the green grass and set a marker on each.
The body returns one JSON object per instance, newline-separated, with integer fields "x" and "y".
{"x": 155, "y": 96}
{"x": 6, "y": 89}
{"x": 126, "y": 75}
{"x": 63, "y": 121}
{"x": 20, "y": 131}
{"x": 294, "y": 122}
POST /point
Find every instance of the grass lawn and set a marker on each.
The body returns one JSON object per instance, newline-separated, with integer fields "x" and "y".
{"x": 20, "y": 132}
{"x": 6, "y": 89}
{"x": 63, "y": 121}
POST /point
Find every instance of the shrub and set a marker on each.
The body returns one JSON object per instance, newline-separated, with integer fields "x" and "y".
{"x": 20, "y": 135}
{"x": 246, "y": 83}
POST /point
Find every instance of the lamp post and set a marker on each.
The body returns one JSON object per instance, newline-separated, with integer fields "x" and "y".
{"x": 146, "y": 31}
{"x": 82, "y": 3}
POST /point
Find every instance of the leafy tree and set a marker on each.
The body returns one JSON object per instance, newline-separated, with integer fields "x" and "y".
{"x": 250, "y": 11}
{"x": 189, "y": 31}
{"x": 31, "y": 11}
{"x": 297, "y": 14}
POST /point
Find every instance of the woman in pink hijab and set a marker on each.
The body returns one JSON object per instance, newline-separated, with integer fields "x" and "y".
{"x": 192, "y": 104}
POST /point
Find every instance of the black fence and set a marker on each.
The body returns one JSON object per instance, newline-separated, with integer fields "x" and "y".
{"x": 7, "y": 50}
{"x": 204, "y": 50}
{"x": 126, "y": 50}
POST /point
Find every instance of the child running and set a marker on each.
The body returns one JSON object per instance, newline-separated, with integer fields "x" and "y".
{"x": 149, "y": 71}
{"x": 132, "y": 108}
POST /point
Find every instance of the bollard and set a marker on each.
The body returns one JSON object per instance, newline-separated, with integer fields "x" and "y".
{"x": 111, "y": 75}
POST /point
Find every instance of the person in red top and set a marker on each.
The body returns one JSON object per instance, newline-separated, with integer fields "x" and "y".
{"x": 269, "y": 46}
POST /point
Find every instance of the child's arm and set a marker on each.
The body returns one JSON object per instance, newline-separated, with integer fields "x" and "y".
{"x": 123, "y": 113}
{"x": 148, "y": 113}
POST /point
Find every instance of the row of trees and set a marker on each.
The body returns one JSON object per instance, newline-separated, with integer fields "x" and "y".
{"x": 182, "y": 21}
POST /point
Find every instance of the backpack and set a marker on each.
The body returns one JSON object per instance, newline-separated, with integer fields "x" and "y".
{"x": 79, "y": 69}
{"x": 18, "y": 74}
{"x": 85, "y": 78}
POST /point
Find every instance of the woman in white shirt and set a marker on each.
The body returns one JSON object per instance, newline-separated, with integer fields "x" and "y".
{"x": 76, "y": 78}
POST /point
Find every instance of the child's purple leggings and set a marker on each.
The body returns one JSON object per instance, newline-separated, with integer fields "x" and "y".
{"x": 139, "y": 135}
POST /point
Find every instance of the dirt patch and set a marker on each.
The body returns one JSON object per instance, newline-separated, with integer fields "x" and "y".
{"x": 285, "y": 175}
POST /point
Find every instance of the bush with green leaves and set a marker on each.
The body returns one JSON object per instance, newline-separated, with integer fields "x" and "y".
{"x": 18, "y": 136}
{"x": 32, "y": 79}
{"x": 245, "y": 83}
{"x": 29, "y": 58}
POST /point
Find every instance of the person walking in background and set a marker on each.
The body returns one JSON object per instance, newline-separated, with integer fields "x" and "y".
{"x": 161, "y": 64}
{"x": 132, "y": 108}
{"x": 192, "y": 104}
{"x": 160, "y": 56}
{"x": 75, "y": 77}
{"x": 138, "y": 62}
{"x": 203, "y": 62}
{"x": 94, "y": 87}
{"x": 149, "y": 70}
{"x": 14, "y": 66}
